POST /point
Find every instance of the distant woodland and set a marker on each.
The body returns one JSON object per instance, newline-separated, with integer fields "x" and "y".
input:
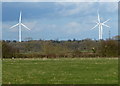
{"x": 60, "y": 49}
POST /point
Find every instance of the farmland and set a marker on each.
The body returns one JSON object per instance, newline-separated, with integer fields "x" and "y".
{"x": 60, "y": 71}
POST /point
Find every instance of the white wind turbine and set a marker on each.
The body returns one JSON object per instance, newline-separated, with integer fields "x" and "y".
{"x": 100, "y": 26}
{"x": 20, "y": 24}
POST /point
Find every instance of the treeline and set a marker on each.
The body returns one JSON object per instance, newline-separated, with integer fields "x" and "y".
{"x": 59, "y": 49}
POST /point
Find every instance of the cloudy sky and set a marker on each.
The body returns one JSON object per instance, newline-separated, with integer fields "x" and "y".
{"x": 58, "y": 20}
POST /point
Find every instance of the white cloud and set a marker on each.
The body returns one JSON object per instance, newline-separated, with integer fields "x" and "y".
{"x": 74, "y": 8}
{"x": 31, "y": 24}
{"x": 72, "y": 28}
{"x": 109, "y": 7}
{"x": 7, "y": 25}
{"x": 85, "y": 8}
{"x": 75, "y": 28}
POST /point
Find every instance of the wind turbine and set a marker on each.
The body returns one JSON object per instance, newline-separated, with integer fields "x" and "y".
{"x": 100, "y": 26}
{"x": 19, "y": 26}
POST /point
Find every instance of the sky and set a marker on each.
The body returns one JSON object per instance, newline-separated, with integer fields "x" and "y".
{"x": 58, "y": 20}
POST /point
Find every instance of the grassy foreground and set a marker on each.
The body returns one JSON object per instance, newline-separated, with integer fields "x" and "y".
{"x": 60, "y": 71}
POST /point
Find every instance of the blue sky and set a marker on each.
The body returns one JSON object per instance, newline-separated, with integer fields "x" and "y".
{"x": 58, "y": 20}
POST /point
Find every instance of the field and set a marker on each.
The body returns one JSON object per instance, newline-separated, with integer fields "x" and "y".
{"x": 60, "y": 71}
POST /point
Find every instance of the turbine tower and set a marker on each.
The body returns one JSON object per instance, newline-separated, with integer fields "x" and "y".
{"x": 100, "y": 26}
{"x": 19, "y": 26}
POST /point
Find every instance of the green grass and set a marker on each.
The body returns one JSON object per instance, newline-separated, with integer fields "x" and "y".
{"x": 60, "y": 71}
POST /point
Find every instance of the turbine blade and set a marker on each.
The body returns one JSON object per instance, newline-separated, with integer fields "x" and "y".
{"x": 97, "y": 22}
{"x": 14, "y": 26}
{"x": 106, "y": 25}
{"x": 25, "y": 26}
{"x": 98, "y": 16}
{"x": 94, "y": 26}
{"x": 106, "y": 21}
{"x": 20, "y": 18}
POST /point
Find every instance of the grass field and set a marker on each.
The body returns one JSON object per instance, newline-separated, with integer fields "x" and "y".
{"x": 60, "y": 71}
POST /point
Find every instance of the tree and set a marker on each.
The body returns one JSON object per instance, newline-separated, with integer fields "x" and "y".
{"x": 109, "y": 48}
{"x": 8, "y": 51}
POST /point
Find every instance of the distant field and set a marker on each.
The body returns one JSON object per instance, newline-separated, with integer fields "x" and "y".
{"x": 60, "y": 71}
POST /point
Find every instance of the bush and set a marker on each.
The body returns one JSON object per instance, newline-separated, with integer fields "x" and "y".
{"x": 8, "y": 51}
{"x": 109, "y": 48}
